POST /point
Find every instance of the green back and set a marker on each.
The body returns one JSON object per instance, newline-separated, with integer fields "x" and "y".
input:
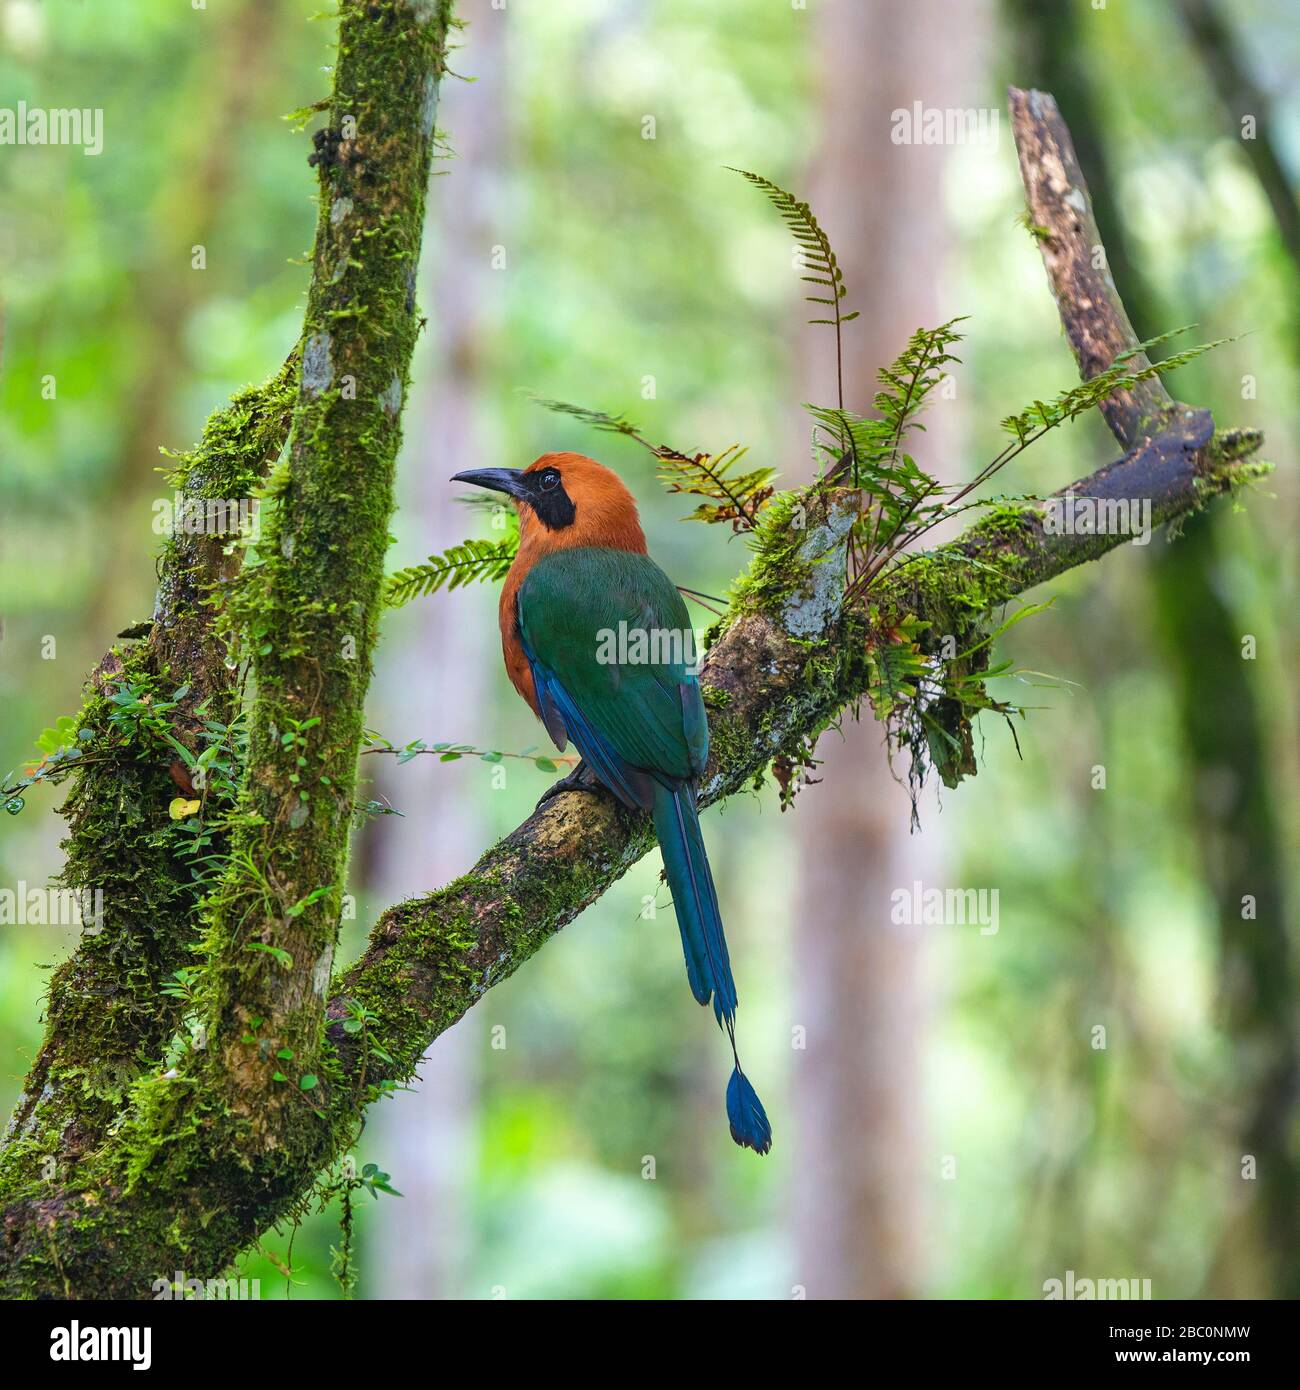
{"x": 614, "y": 632}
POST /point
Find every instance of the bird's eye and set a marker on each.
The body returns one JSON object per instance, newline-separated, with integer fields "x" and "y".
{"x": 550, "y": 480}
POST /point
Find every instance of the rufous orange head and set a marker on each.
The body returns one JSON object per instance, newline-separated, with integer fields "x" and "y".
{"x": 566, "y": 500}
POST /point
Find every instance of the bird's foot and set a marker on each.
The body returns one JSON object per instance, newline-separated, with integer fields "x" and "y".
{"x": 581, "y": 779}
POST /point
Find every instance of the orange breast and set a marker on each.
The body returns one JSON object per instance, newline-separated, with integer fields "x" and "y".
{"x": 517, "y": 668}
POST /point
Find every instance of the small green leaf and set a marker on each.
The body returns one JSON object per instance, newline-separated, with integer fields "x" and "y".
{"x": 282, "y": 957}
{"x": 307, "y": 1081}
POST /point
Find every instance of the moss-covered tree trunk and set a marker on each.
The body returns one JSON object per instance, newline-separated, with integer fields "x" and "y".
{"x": 208, "y": 1150}
{"x": 308, "y": 607}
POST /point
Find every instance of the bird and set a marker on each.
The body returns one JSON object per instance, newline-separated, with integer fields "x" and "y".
{"x": 598, "y": 642}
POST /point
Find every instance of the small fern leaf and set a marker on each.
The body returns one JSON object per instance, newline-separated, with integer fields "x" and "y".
{"x": 817, "y": 254}
{"x": 1121, "y": 375}
{"x": 597, "y": 419}
{"x": 731, "y": 496}
{"x": 471, "y": 562}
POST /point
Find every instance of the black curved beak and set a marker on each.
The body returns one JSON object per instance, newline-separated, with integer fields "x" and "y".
{"x": 508, "y": 480}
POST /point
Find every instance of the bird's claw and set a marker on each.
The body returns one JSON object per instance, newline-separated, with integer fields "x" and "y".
{"x": 581, "y": 779}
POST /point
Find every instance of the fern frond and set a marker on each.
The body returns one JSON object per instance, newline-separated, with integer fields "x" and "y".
{"x": 1027, "y": 427}
{"x": 868, "y": 448}
{"x": 817, "y": 257}
{"x": 734, "y": 497}
{"x": 597, "y": 419}
{"x": 917, "y": 370}
{"x": 1045, "y": 415}
{"x": 866, "y": 453}
{"x": 471, "y": 562}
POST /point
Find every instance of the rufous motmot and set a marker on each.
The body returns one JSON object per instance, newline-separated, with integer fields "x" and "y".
{"x": 598, "y": 641}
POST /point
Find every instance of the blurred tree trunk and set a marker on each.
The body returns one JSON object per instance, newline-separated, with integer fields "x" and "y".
{"x": 861, "y": 1166}
{"x": 434, "y": 682}
{"x": 1232, "y": 818}
{"x": 1228, "y": 68}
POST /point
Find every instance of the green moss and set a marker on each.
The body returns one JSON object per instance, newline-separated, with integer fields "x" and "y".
{"x": 240, "y": 440}
{"x": 106, "y": 1016}
{"x": 797, "y": 573}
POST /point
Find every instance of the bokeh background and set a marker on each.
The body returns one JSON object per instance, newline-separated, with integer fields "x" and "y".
{"x": 949, "y": 1120}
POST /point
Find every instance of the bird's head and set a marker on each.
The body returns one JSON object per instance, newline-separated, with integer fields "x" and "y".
{"x": 566, "y": 500}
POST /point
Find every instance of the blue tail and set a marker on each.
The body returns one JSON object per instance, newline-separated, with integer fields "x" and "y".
{"x": 707, "y": 965}
{"x": 694, "y": 900}
{"x": 749, "y": 1124}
